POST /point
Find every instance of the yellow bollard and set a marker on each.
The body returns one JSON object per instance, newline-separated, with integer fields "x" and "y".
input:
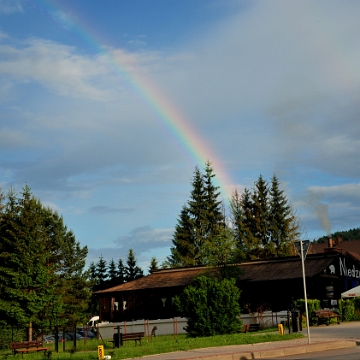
{"x": 101, "y": 352}
{"x": 281, "y": 329}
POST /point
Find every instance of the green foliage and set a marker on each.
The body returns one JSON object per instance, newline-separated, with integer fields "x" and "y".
{"x": 41, "y": 265}
{"x": 133, "y": 271}
{"x": 201, "y": 221}
{"x": 347, "y": 309}
{"x": 263, "y": 222}
{"x": 352, "y": 234}
{"x": 211, "y": 307}
{"x": 312, "y": 305}
{"x": 153, "y": 265}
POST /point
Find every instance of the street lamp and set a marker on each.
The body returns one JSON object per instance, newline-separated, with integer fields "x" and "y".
{"x": 302, "y": 248}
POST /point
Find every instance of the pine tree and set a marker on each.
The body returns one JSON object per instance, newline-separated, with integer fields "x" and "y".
{"x": 41, "y": 264}
{"x": 183, "y": 250}
{"x": 284, "y": 229}
{"x": 133, "y": 271}
{"x": 121, "y": 272}
{"x": 196, "y": 208}
{"x": 153, "y": 265}
{"x": 101, "y": 272}
{"x": 112, "y": 273}
{"x": 28, "y": 291}
{"x": 215, "y": 220}
{"x": 200, "y": 221}
{"x": 260, "y": 200}
{"x": 263, "y": 222}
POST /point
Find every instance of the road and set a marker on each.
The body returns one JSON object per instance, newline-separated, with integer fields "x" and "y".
{"x": 340, "y": 354}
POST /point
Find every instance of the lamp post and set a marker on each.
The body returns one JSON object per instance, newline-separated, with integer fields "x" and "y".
{"x": 302, "y": 253}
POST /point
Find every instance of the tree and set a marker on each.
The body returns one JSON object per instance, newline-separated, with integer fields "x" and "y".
{"x": 183, "y": 250}
{"x": 200, "y": 221}
{"x": 153, "y": 265}
{"x": 101, "y": 272}
{"x": 211, "y": 307}
{"x": 284, "y": 229}
{"x": 121, "y": 272}
{"x": 260, "y": 212}
{"x": 112, "y": 273}
{"x": 133, "y": 271}
{"x": 41, "y": 265}
{"x": 263, "y": 222}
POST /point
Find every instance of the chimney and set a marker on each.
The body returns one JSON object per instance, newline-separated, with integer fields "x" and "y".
{"x": 330, "y": 242}
{"x": 331, "y": 248}
{"x": 338, "y": 241}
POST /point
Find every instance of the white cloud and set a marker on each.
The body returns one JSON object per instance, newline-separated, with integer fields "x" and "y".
{"x": 56, "y": 67}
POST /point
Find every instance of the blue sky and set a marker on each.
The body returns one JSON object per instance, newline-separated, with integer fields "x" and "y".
{"x": 268, "y": 86}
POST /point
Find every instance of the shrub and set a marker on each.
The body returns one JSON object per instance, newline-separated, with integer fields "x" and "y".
{"x": 346, "y": 309}
{"x": 211, "y": 307}
{"x": 312, "y": 304}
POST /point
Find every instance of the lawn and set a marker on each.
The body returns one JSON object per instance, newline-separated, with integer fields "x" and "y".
{"x": 160, "y": 344}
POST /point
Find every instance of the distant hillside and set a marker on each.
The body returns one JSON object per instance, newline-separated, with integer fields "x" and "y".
{"x": 352, "y": 234}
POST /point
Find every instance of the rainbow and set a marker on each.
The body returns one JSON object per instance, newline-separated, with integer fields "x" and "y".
{"x": 173, "y": 119}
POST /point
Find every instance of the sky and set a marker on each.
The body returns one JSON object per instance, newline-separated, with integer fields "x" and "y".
{"x": 107, "y": 107}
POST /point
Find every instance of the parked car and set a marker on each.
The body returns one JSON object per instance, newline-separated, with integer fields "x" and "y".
{"x": 78, "y": 336}
{"x": 51, "y": 338}
{"x": 86, "y": 333}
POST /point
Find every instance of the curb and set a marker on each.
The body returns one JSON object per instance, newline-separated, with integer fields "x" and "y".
{"x": 275, "y": 353}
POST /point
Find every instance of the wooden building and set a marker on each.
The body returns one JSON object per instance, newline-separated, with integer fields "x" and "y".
{"x": 265, "y": 284}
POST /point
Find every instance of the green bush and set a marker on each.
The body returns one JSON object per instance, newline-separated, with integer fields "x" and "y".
{"x": 347, "y": 309}
{"x": 211, "y": 307}
{"x": 357, "y": 303}
{"x": 312, "y": 304}
{"x": 7, "y": 335}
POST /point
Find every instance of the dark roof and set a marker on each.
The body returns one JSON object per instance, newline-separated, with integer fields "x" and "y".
{"x": 349, "y": 248}
{"x": 253, "y": 271}
{"x": 287, "y": 268}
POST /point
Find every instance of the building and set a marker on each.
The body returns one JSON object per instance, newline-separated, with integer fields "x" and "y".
{"x": 265, "y": 284}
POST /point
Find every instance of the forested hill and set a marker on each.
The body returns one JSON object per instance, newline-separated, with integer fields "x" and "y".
{"x": 352, "y": 234}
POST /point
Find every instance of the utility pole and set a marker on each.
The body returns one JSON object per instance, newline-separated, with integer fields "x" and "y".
{"x": 302, "y": 253}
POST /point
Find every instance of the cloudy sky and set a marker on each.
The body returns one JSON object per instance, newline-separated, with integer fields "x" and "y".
{"x": 106, "y": 107}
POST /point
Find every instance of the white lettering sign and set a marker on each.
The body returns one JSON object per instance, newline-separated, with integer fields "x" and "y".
{"x": 344, "y": 271}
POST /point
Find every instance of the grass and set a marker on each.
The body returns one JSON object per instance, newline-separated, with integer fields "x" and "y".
{"x": 160, "y": 344}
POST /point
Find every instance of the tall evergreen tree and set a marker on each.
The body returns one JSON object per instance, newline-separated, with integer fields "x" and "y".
{"x": 263, "y": 222}
{"x": 260, "y": 202}
{"x": 200, "y": 221}
{"x": 112, "y": 274}
{"x": 284, "y": 229}
{"x": 183, "y": 251}
{"x": 41, "y": 264}
{"x": 133, "y": 271}
{"x": 101, "y": 272}
{"x": 153, "y": 265}
{"x": 121, "y": 272}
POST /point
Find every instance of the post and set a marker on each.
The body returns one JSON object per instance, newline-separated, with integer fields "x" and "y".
{"x": 56, "y": 338}
{"x": 305, "y": 296}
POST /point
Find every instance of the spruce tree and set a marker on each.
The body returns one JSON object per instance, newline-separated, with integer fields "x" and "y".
{"x": 200, "y": 222}
{"x": 101, "y": 272}
{"x": 263, "y": 222}
{"x": 133, "y": 271}
{"x": 41, "y": 265}
{"x": 112, "y": 274}
{"x": 260, "y": 200}
{"x": 121, "y": 272}
{"x": 183, "y": 250}
{"x": 153, "y": 265}
{"x": 28, "y": 292}
{"x": 284, "y": 229}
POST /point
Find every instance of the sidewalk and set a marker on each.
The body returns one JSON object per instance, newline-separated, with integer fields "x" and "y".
{"x": 258, "y": 351}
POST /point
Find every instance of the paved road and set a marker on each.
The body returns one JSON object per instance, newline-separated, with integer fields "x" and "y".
{"x": 322, "y": 339}
{"x": 349, "y": 331}
{"x": 339, "y": 354}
